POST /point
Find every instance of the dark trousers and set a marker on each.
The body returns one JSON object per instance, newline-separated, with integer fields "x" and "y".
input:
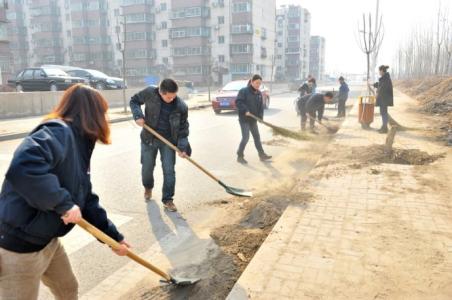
{"x": 247, "y": 127}
{"x": 168, "y": 159}
{"x": 341, "y": 107}
{"x": 384, "y": 115}
{"x": 304, "y": 118}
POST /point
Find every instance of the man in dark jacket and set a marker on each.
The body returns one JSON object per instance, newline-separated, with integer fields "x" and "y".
{"x": 315, "y": 107}
{"x": 307, "y": 87}
{"x": 249, "y": 101}
{"x": 342, "y": 97}
{"x": 385, "y": 96}
{"x": 167, "y": 114}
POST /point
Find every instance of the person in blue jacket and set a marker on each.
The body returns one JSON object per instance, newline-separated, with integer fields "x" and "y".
{"x": 46, "y": 190}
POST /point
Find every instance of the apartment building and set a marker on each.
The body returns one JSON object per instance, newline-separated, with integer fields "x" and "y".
{"x": 317, "y": 57}
{"x": 197, "y": 40}
{"x": 18, "y": 34}
{"x": 293, "y": 29}
{"x": 5, "y": 54}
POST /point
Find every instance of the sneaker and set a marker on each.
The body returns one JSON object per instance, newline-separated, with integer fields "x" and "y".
{"x": 241, "y": 160}
{"x": 169, "y": 205}
{"x": 383, "y": 130}
{"x": 147, "y": 194}
{"x": 265, "y": 157}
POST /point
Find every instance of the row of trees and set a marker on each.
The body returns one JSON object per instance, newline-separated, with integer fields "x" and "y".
{"x": 427, "y": 50}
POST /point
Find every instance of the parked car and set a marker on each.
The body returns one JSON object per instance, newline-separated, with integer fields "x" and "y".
{"x": 225, "y": 99}
{"x": 97, "y": 79}
{"x": 44, "y": 79}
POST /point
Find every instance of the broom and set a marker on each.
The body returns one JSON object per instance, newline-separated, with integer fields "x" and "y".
{"x": 281, "y": 131}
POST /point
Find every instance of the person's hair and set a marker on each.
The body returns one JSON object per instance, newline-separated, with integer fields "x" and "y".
{"x": 329, "y": 95}
{"x": 383, "y": 68}
{"x": 168, "y": 85}
{"x": 86, "y": 106}
{"x": 256, "y": 77}
{"x": 341, "y": 78}
{"x": 312, "y": 79}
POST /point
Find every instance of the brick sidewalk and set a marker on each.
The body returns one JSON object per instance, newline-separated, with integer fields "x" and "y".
{"x": 379, "y": 232}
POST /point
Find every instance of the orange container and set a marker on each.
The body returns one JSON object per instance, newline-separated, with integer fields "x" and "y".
{"x": 366, "y": 109}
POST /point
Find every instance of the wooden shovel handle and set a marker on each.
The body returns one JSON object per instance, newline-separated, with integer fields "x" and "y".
{"x": 260, "y": 120}
{"x": 115, "y": 245}
{"x": 169, "y": 144}
{"x": 315, "y": 120}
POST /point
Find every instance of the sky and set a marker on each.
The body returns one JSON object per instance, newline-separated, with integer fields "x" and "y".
{"x": 337, "y": 21}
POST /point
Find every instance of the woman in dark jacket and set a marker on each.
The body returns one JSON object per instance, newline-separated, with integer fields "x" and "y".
{"x": 47, "y": 189}
{"x": 249, "y": 101}
{"x": 385, "y": 96}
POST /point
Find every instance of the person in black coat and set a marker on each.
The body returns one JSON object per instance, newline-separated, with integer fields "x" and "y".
{"x": 315, "y": 107}
{"x": 249, "y": 101}
{"x": 385, "y": 96}
{"x": 342, "y": 97}
{"x": 47, "y": 189}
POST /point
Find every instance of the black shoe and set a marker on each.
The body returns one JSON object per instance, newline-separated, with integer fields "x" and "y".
{"x": 241, "y": 160}
{"x": 265, "y": 157}
{"x": 383, "y": 129}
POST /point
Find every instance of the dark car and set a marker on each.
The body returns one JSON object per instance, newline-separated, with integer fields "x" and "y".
{"x": 225, "y": 99}
{"x": 43, "y": 79}
{"x": 97, "y": 79}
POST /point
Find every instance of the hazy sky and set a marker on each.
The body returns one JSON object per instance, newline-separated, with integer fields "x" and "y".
{"x": 337, "y": 21}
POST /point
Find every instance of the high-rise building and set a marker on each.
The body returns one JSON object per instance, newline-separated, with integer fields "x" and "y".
{"x": 197, "y": 40}
{"x": 293, "y": 28}
{"x": 5, "y": 54}
{"x": 317, "y": 57}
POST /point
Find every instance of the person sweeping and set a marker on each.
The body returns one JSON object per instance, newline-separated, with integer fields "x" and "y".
{"x": 385, "y": 96}
{"x": 315, "y": 107}
{"x": 46, "y": 190}
{"x": 249, "y": 101}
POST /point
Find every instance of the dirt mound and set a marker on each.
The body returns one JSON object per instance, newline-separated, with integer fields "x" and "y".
{"x": 376, "y": 154}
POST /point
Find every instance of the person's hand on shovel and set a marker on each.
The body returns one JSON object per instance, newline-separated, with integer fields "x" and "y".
{"x": 122, "y": 251}
{"x": 140, "y": 122}
{"x": 248, "y": 114}
{"x": 73, "y": 215}
{"x": 182, "y": 154}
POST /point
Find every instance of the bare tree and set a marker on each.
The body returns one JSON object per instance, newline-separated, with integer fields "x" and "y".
{"x": 369, "y": 40}
{"x": 378, "y": 39}
{"x": 448, "y": 49}
{"x": 122, "y": 48}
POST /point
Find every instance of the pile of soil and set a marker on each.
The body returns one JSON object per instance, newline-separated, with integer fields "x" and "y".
{"x": 237, "y": 243}
{"x": 376, "y": 154}
{"x": 435, "y": 96}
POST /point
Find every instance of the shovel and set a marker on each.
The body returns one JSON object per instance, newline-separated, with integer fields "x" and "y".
{"x": 281, "y": 131}
{"x": 330, "y": 129}
{"x": 230, "y": 190}
{"x": 115, "y": 245}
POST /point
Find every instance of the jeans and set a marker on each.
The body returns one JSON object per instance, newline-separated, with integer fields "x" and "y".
{"x": 168, "y": 158}
{"x": 341, "y": 108}
{"x": 304, "y": 118}
{"x": 21, "y": 273}
{"x": 246, "y": 128}
{"x": 384, "y": 115}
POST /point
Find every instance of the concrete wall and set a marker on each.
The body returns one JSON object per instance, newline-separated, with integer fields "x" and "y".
{"x": 15, "y": 105}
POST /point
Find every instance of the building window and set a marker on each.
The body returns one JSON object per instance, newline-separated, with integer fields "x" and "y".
{"x": 139, "y": 18}
{"x": 190, "y": 51}
{"x": 221, "y": 39}
{"x": 165, "y": 60}
{"x": 164, "y": 43}
{"x": 163, "y": 7}
{"x": 190, "y": 12}
{"x": 134, "y": 2}
{"x": 279, "y": 45}
{"x": 241, "y": 48}
{"x": 241, "y": 28}
{"x": 220, "y": 20}
{"x": 164, "y": 25}
{"x": 240, "y": 68}
{"x": 241, "y": 7}
{"x": 221, "y": 58}
{"x": 190, "y": 32}
{"x": 138, "y": 36}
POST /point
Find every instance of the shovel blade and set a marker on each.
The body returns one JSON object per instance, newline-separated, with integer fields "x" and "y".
{"x": 184, "y": 281}
{"x": 236, "y": 191}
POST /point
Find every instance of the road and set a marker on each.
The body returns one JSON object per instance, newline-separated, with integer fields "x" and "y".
{"x": 116, "y": 179}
